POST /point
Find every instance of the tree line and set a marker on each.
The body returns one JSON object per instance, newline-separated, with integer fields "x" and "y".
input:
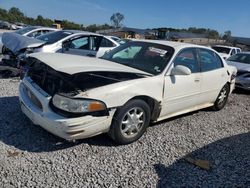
{"x": 14, "y": 15}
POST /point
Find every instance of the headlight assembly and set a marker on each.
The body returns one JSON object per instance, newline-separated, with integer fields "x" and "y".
{"x": 77, "y": 105}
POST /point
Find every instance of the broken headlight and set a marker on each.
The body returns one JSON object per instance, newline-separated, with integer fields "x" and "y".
{"x": 77, "y": 105}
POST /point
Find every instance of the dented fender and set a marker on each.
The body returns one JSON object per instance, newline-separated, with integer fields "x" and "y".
{"x": 115, "y": 95}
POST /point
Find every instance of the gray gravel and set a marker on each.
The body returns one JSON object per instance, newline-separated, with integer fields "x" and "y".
{"x": 32, "y": 157}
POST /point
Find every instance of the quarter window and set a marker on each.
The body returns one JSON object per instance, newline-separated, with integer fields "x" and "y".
{"x": 233, "y": 52}
{"x": 188, "y": 59}
{"x": 106, "y": 43}
{"x": 209, "y": 60}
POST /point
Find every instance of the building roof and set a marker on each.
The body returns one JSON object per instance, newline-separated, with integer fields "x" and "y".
{"x": 126, "y": 29}
{"x": 179, "y": 35}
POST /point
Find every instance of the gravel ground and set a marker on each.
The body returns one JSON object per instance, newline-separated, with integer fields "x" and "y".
{"x": 32, "y": 157}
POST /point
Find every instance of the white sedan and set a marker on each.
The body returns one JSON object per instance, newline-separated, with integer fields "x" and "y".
{"x": 137, "y": 83}
{"x": 64, "y": 41}
{"x": 30, "y": 31}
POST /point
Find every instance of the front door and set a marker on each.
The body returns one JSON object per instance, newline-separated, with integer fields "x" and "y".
{"x": 182, "y": 92}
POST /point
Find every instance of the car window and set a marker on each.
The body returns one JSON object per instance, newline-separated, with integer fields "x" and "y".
{"x": 128, "y": 53}
{"x": 209, "y": 60}
{"x": 241, "y": 58}
{"x": 80, "y": 43}
{"x": 24, "y": 30}
{"x": 238, "y": 50}
{"x": 53, "y": 37}
{"x": 106, "y": 43}
{"x": 115, "y": 38}
{"x": 233, "y": 52}
{"x": 224, "y": 50}
{"x": 188, "y": 59}
{"x": 148, "y": 57}
{"x": 35, "y": 34}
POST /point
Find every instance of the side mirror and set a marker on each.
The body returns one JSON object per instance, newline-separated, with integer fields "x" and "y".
{"x": 180, "y": 70}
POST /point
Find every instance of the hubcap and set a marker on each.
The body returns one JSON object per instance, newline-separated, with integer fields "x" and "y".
{"x": 222, "y": 96}
{"x": 132, "y": 122}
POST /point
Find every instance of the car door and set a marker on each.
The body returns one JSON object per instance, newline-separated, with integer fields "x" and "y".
{"x": 213, "y": 75}
{"x": 82, "y": 45}
{"x": 182, "y": 92}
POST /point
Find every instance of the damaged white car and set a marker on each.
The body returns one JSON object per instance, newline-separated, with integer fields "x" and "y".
{"x": 137, "y": 83}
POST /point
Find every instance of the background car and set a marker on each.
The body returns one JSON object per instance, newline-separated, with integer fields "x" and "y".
{"x": 242, "y": 62}
{"x": 63, "y": 41}
{"x": 137, "y": 83}
{"x": 77, "y": 43}
{"x": 226, "y": 51}
{"x": 30, "y": 31}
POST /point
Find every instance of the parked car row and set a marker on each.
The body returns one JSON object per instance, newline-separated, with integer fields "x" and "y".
{"x": 126, "y": 86}
{"x": 34, "y": 39}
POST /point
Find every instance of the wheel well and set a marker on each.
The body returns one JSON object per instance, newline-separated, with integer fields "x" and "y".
{"x": 229, "y": 85}
{"x": 154, "y": 105}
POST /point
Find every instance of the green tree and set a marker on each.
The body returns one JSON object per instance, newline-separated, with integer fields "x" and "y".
{"x": 227, "y": 35}
{"x": 116, "y": 19}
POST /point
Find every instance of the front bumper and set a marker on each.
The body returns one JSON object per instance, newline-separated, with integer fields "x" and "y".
{"x": 35, "y": 105}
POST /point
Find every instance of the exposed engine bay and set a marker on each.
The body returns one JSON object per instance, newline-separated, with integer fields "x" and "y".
{"x": 52, "y": 81}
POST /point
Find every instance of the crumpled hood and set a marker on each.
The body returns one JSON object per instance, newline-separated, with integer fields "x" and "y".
{"x": 72, "y": 64}
{"x": 240, "y": 66}
{"x": 16, "y": 42}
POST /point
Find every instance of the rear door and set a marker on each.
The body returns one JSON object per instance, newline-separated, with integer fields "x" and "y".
{"x": 82, "y": 45}
{"x": 213, "y": 75}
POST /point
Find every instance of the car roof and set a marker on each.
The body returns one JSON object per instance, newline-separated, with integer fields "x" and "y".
{"x": 223, "y": 46}
{"x": 244, "y": 53}
{"x": 176, "y": 45}
{"x": 78, "y": 31}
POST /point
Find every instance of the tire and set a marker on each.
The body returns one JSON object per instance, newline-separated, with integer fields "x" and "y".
{"x": 130, "y": 122}
{"x": 222, "y": 98}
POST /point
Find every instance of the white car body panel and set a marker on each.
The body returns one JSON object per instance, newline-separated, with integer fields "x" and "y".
{"x": 175, "y": 94}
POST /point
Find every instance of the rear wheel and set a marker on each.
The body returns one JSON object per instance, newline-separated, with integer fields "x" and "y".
{"x": 222, "y": 98}
{"x": 130, "y": 122}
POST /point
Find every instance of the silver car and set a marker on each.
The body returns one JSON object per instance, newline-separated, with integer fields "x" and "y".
{"x": 242, "y": 62}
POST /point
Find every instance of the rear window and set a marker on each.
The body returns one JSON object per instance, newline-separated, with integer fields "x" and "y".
{"x": 53, "y": 37}
{"x": 224, "y": 50}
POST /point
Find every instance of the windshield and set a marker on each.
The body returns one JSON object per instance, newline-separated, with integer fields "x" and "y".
{"x": 53, "y": 37}
{"x": 224, "y": 50}
{"x": 24, "y": 30}
{"x": 148, "y": 57}
{"x": 241, "y": 58}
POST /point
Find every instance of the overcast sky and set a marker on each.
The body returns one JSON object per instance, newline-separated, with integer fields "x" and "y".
{"x": 221, "y": 15}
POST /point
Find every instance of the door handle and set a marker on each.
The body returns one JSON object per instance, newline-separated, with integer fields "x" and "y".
{"x": 90, "y": 55}
{"x": 196, "y": 79}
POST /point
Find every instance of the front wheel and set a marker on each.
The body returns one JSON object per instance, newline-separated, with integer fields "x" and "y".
{"x": 222, "y": 98}
{"x": 130, "y": 122}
